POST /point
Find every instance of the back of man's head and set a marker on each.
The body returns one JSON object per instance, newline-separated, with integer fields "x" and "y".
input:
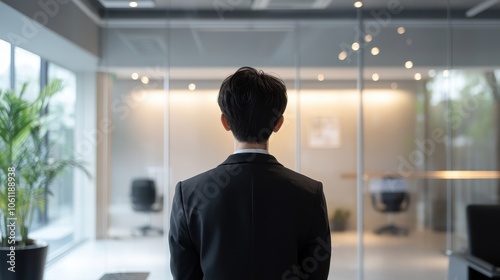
{"x": 252, "y": 102}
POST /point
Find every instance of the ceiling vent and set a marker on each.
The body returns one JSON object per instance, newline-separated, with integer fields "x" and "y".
{"x": 144, "y": 44}
{"x": 290, "y": 4}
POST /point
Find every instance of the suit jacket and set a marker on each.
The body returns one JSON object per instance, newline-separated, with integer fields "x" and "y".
{"x": 249, "y": 218}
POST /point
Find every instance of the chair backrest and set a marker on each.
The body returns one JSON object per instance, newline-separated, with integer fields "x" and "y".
{"x": 483, "y": 226}
{"x": 391, "y": 192}
{"x": 143, "y": 194}
{"x": 393, "y": 201}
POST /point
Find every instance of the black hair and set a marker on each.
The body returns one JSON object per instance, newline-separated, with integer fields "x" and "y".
{"x": 252, "y": 102}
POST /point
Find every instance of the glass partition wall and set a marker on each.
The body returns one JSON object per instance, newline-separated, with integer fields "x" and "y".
{"x": 135, "y": 59}
{"x": 409, "y": 103}
{"x": 406, "y": 232}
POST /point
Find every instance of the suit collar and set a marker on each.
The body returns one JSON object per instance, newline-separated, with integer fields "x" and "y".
{"x": 250, "y": 158}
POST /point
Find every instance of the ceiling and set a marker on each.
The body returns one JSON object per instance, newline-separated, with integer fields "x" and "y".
{"x": 209, "y": 49}
{"x": 287, "y": 4}
{"x": 289, "y": 8}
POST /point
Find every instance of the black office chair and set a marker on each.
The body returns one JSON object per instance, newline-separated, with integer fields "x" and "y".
{"x": 391, "y": 198}
{"x": 483, "y": 226}
{"x": 144, "y": 200}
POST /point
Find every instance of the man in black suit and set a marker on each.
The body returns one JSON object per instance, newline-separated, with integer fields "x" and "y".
{"x": 250, "y": 217}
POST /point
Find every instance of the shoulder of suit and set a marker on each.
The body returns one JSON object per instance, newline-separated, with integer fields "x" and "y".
{"x": 293, "y": 175}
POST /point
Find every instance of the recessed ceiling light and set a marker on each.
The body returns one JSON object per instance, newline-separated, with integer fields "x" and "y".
{"x": 134, "y": 76}
{"x": 401, "y": 30}
{"x": 355, "y": 46}
{"x": 132, "y": 4}
{"x": 321, "y": 77}
{"x": 375, "y": 51}
{"x": 342, "y": 55}
{"x": 368, "y": 38}
{"x": 375, "y": 77}
{"x": 418, "y": 76}
{"x": 191, "y": 87}
{"x": 145, "y": 80}
{"x": 358, "y": 4}
{"x": 409, "y": 64}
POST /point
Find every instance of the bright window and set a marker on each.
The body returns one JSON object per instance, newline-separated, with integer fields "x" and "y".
{"x": 4, "y": 65}
{"x": 59, "y": 216}
{"x": 27, "y": 69}
{"x": 62, "y": 107}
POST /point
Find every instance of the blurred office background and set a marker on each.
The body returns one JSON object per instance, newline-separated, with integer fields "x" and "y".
{"x": 388, "y": 88}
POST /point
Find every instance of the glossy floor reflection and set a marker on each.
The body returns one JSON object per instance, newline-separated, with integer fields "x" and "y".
{"x": 417, "y": 256}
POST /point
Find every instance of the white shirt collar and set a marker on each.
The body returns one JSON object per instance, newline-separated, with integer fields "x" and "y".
{"x": 256, "y": 151}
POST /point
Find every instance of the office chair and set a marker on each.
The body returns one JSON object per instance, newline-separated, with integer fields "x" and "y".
{"x": 391, "y": 197}
{"x": 483, "y": 226}
{"x": 144, "y": 200}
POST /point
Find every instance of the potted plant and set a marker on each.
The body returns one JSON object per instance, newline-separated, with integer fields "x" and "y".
{"x": 26, "y": 171}
{"x": 340, "y": 219}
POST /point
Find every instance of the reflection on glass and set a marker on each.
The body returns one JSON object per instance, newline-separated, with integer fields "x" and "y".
{"x": 4, "y": 65}
{"x": 27, "y": 67}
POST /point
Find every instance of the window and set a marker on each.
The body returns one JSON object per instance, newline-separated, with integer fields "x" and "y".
{"x": 4, "y": 65}
{"x": 62, "y": 107}
{"x": 60, "y": 225}
{"x": 27, "y": 69}
{"x": 59, "y": 216}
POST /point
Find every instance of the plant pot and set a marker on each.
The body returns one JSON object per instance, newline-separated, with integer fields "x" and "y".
{"x": 29, "y": 262}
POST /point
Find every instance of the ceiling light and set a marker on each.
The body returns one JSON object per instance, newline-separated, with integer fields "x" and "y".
{"x": 191, "y": 87}
{"x": 375, "y": 51}
{"x": 321, "y": 77}
{"x": 401, "y": 30}
{"x": 355, "y": 46}
{"x": 134, "y": 76}
{"x": 132, "y": 4}
{"x": 408, "y": 64}
{"x": 432, "y": 73}
{"x": 358, "y": 4}
{"x": 342, "y": 55}
{"x": 375, "y": 77}
{"x": 446, "y": 73}
{"x": 418, "y": 76}
{"x": 145, "y": 80}
{"x": 368, "y": 38}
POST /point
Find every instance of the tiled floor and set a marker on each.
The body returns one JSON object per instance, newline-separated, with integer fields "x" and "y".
{"x": 417, "y": 256}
